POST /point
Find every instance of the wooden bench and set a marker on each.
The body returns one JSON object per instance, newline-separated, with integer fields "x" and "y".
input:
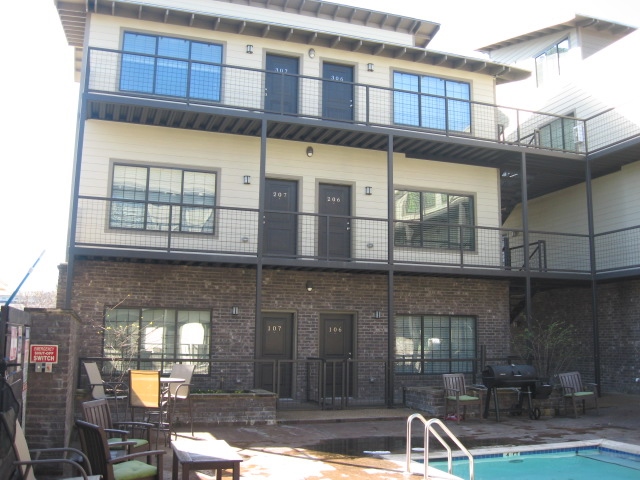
{"x": 204, "y": 455}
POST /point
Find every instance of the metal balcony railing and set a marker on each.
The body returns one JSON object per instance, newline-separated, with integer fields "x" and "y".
{"x": 321, "y": 237}
{"x": 218, "y": 85}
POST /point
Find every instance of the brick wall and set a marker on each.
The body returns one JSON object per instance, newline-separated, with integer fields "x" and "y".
{"x": 618, "y": 330}
{"x": 50, "y": 396}
{"x": 99, "y": 285}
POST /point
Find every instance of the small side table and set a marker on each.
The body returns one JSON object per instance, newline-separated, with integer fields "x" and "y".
{"x": 203, "y": 455}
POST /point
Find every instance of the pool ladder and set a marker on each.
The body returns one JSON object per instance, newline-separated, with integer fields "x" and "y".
{"x": 429, "y": 429}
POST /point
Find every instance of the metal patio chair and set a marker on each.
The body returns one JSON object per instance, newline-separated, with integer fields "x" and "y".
{"x": 145, "y": 393}
{"x": 24, "y": 460}
{"x": 100, "y": 389}
{"x": 180, "y": 392}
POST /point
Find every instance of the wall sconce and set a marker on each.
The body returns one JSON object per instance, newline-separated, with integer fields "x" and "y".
{"x": 368, "y": 190}
{"x": 247, "y": 179}
{"x": 249, "y": 49}
{"x": 377, "y": 314}
{"x": 312, "y": 53}
{"x": 369, "y": 67}
{"x": 234, "y": 310}
{"x": 309, "y": 151}
{"x": 309, "y": 286}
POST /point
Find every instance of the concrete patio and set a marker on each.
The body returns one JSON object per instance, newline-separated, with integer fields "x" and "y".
{"x": 331, "y": 445}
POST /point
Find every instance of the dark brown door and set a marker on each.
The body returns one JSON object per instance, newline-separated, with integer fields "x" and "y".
{"x": 336, "y": 347}
{"x": 280, "y": 220}
{"x": 281, "y": 84}
{"x": 275, "y": 342}
{"x": 334, "y": 222}
{"x": 337, "y": 92}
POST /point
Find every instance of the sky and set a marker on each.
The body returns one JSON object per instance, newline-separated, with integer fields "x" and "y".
{"x": 40, "y": 101}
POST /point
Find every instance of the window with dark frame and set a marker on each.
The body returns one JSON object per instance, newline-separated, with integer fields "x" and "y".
{"x": 434, "y": 220}
{"x": 437, "y": 103}
{"x": 169, "y": 66}
{"x": 162, "y": 199}
{"x": 559, "y": 134}
{"x": 435, "y": 344}
{"x": 151, "y": 335}
{"x": 549, "y": 63}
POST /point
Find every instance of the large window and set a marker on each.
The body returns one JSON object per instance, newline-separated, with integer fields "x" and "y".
{"x": 561, "y": 134}
{"x": 155, "y": 334}
{"x": 434, "y": 220}
{"x": 164, "y": 199}
{"x": 437, "y": 103}
{"x": 550, "y": 62}
{"x": 171, "y": 66}
{"x": 435, "y": 344}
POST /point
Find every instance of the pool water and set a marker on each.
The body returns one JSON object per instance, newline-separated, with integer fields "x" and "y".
{"x": 577, "y": 465}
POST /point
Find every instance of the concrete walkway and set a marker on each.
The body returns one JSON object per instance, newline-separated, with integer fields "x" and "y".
{"x": 340, "y": 444}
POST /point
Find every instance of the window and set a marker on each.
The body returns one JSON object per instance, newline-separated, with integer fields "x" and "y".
{"x": 155, "y": 334}
{"x": 171, "y": 66}
{"x": 559, "y": 134}
{"x": 434, "y": 220}
{"x": 549, "y": 63}
{"x": 438, "y": 103}
{"x": 432, "y": 344}
{"x": 163, "y": 199}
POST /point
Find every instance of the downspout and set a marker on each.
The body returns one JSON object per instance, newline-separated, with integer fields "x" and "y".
{"x": 390, "y": 284}
{"x": 594, "y": 286}
{"x": 525, "y": 237}
{"x": 73, "y": 215}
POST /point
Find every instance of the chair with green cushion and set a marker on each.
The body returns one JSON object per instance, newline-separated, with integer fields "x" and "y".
{"x": 574, "y": 391}
{"x": 98, "y": 413}
{"x": 20, "y": 461}
{"x": 94, "y": 443}
{"x": 456, "y": 391}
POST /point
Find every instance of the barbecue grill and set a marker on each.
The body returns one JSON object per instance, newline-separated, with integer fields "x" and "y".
{"x": 520, "y": 377}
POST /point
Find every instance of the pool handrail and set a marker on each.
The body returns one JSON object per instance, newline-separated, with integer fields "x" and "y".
{"x": 429, "y": 429}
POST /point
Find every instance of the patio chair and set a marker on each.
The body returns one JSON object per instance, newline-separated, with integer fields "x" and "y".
{"x": 455, "y": 391}
{"x": 98, "y": 413}
{"x": 94, "y": 443}
{"x": 24, "y": 460}
{"x": 180, "y": 391}
{"x": 574, "y": 391}
{"x": 100, "y": 389}
{"x": 145, "y": 393}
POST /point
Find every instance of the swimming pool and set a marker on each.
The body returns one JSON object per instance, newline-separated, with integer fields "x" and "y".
{"x": 596, "y": 460}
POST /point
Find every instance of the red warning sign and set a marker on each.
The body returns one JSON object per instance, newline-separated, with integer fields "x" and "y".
{"x": 44, "y": 354}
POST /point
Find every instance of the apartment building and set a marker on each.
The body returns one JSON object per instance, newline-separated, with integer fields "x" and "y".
{"x": 300, "y": 196}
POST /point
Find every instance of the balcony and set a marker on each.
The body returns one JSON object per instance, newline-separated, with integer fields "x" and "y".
{"x": 235, "y": 92}
{"x": 342, "y": 243}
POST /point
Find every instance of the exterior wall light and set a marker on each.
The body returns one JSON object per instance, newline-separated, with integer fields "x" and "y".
{"x": 312, "y": 53}
{"x": 369, "y": 67}
{"x": 247, "y": 179}
{"x": 249, "y": 49}
{"x": 309, "y": 286}
{"x": 309, "y": 151}
{"x": 234, "y": 310}
{"x": 368, "y": 190}
{"x": 377, "y": 314}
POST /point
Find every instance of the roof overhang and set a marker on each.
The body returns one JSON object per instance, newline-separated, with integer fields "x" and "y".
{"x": 616, "y": 29}
{"x": 74, "y": 13}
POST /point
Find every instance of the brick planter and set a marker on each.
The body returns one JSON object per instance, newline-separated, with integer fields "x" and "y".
{"x": 253, "y": 407}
